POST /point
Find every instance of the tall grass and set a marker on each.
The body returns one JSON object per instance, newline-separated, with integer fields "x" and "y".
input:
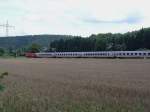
{"x": 71, "y": 98}
{"x": 75, "y": 86}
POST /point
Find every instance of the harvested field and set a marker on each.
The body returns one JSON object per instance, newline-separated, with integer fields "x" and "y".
{"x": 75, "y": 85}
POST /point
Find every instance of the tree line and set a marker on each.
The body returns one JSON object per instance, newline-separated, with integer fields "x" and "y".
{"x": 19, "y": 45}
{"x": 130, "y": 41}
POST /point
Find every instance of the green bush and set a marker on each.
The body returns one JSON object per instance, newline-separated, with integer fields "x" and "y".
{"x": 1, "y": 87}
{"x": 2, "y": 51}
{"x": 2, "y": 75}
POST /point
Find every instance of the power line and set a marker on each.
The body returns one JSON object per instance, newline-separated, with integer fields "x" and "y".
{"x": 7, "y": 26}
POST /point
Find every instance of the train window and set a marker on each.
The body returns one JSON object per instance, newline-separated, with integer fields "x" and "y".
{"x": 135, "y": 53}
{"x": 144, "y": 53}
{"x": 124, "y": 54}
{"x": 148, "y": 53}
{"x": 127, "y": 53}
{"x": 131, "y": 53}
{"x": 140, "y": 53}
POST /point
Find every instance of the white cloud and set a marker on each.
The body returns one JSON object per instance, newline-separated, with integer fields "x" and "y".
{"x": 69, "y": 16}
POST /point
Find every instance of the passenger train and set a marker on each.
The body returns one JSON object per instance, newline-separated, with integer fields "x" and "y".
{"x": 99, "y": 54}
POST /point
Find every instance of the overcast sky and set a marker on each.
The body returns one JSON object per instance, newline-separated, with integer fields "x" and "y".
{"x": 73, "y": 17}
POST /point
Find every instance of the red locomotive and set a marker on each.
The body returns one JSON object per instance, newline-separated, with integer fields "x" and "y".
{"x": 31, "y": 55}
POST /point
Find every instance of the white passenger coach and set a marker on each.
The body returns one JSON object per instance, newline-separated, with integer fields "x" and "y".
{"x": 101, "y": 54}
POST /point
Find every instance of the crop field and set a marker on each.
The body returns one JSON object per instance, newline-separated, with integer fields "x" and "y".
{"x": 75, "y": 85}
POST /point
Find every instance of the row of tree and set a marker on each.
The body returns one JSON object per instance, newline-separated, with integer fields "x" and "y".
{"x": 20, "y": 51}
{"x": 137, "y": 40}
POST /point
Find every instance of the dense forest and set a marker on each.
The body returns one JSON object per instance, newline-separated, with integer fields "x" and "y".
{"x": 136, "y": 40}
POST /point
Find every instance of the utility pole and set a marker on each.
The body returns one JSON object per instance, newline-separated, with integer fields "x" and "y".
{"x": 7, "y": 26}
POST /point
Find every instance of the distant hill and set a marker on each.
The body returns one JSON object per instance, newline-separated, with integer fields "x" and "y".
{"x": 24, "y": 41}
